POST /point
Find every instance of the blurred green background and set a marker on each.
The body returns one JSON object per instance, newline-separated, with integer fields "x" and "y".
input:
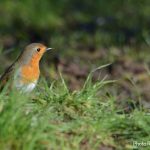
{"x": 85, "y": 34}
{"x": 105, "y": 22}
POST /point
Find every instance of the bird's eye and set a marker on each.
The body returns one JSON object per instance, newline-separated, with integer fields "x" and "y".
{"x": 38, "y": 49}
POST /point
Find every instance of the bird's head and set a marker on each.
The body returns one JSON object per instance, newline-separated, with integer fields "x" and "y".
{"x": 33, "y": 52}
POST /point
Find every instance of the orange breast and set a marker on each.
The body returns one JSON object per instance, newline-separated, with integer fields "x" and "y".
{"x": 29, "y": 74}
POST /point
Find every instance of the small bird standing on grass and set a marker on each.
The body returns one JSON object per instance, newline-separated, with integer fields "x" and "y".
{"x": 24, "y": 73}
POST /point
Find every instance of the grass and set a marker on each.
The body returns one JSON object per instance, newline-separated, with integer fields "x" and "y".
{"x": 52, "y": 117}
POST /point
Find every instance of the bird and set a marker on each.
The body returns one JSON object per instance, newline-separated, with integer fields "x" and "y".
{"x": 24, "y": 72}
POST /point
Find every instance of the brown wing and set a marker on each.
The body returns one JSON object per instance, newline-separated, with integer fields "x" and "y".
{"x": 6, "y": 76}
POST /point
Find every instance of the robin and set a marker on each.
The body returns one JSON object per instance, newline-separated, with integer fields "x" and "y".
{"x": 24, "y": 72}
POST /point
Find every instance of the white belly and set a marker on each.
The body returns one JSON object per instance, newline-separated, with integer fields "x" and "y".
{"x": 26, "y": 87}
{"x": 29, "y": 87}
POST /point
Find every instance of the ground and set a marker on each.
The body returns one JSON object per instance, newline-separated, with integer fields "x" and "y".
{"x": 53, "y": 117}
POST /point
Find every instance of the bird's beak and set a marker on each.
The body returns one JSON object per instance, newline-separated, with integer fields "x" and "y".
{"x": 48, "y": 49}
